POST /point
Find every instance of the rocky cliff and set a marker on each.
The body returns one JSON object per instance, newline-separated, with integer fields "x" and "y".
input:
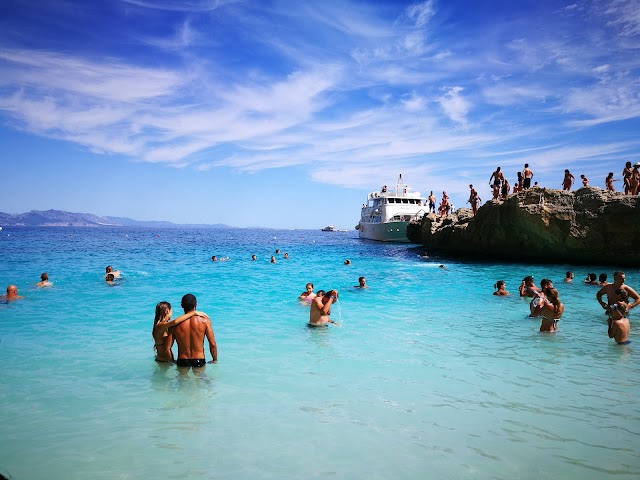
{"x": 588, "y": 226}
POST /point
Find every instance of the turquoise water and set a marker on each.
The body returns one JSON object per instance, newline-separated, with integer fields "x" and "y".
{"x": 428, "y": 375}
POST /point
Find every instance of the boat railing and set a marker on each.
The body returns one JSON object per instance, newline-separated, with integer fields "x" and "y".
{"x": 418, "y": 215}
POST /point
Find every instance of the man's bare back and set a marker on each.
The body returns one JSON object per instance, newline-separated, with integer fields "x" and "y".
{"x": 189, "y": 336}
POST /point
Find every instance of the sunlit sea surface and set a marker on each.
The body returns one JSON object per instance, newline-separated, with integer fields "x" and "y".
{"x": 428, "y": 375}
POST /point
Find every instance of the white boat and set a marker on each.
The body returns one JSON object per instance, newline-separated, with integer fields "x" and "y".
{"x": 329, "y": 228}
{"x": 387, "y": 213}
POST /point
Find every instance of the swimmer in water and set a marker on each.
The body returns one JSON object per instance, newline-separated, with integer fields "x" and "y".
{"x": 569, "y": 277}
{"x": 618, "y": 322}
{"x": 273, "y": 259}
{"x": 501, "y": 288}
{"x": 362, "y": 283}
{"x": 110, "y": 279}
{"x": 286, "y": 256}
{"x": 253, "y": 258}
{"x": 12, "y": 294}
{"x": 307, "y": 296}
{"x": 321, "y": 309}
{"x": 347, "y": 262}
{"x": 110, "y": 270}
{"x": 44, "y": 281}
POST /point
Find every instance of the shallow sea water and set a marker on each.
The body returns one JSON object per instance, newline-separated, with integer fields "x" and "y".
{"x": 428, "y": 375}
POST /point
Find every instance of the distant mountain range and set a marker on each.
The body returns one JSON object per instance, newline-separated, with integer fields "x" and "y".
{"x": 59, "y": 218}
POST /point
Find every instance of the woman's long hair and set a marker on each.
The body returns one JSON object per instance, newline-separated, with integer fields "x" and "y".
{"x": 162, "y": 308}
{"x": 552, "y": 296}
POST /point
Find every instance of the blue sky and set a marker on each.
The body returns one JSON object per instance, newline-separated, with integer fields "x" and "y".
{"x": 286, "y": 114}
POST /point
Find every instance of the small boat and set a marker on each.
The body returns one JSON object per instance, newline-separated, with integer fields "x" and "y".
{"x": 329, "y": 228}
{"x": 387, "y": 213}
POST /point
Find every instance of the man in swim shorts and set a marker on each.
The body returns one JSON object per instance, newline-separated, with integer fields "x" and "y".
{"x": 189, "y": 336}
{"x": 432, "y": 203}
{"x": 613, "y": 297}
{"x": 321, "y": 309}
{"x": 527, "y": 175}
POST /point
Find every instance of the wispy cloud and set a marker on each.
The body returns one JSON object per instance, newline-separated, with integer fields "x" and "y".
{"x": 259, "y": 86}
{"x": 454, "y": 105}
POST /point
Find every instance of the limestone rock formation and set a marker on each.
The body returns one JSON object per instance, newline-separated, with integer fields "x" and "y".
{"x": 587, "y": 226}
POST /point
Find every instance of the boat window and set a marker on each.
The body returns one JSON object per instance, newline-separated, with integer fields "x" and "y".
{"x": 404, "y": 200}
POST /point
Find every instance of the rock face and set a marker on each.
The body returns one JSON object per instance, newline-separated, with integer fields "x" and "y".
{"x": 588, "y": 226}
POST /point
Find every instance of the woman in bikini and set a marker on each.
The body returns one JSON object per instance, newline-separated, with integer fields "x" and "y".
{"x": 307, "y": 296}
{"x": 618, "y": 322}
{"x": 550, "y": 310}
{"x": 161, "y": 324}
{"x": 635, "y": 180}
{"x": 609, "y": 182}
{"x": 568, "y": 180}
{"x": 627, "y": 172}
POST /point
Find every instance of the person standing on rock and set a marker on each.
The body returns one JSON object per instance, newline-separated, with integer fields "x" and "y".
{"x": 432, "y": 203}
{"x": 505, "y": 188}
{"x": 474, "y": 200}
{"x": 497, "y": 177}
{"x": 635, "y": 179}
{"x": 527, "y": 175}
{"x": 585, "y": 181}
{"x": 568, "y": 180}
{"x": 627, "y": 172}
{"x": 609, "y": 182}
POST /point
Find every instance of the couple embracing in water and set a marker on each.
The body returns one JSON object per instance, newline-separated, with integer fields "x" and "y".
{"x": 188, "y": 330}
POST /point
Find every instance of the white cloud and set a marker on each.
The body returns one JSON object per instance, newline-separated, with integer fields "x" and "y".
{"x": 454, "y": 105}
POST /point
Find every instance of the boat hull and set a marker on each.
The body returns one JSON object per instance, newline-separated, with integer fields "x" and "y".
{"x": 385, "y": 232}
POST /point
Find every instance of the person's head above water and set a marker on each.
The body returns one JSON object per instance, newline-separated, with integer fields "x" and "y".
{"x": 109, "y": 269}
{"x": 362, "y": 281}
{"x": 44, "y": 277}
{"x": 189, "y": 302}
{"x": 110, "y": 277}
{"x": 347, "y": 262}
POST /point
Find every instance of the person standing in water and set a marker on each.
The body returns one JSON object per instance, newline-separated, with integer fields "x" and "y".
{"x": 550, "y": 309}
{"x": 308, "y": 295}
{"x": 162, "y": 337}
{"x": 190, "y": 337}
{"x": 618, "y": 322}
{"x": 321, "y": 309}
{"x": 613, "y": 297}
